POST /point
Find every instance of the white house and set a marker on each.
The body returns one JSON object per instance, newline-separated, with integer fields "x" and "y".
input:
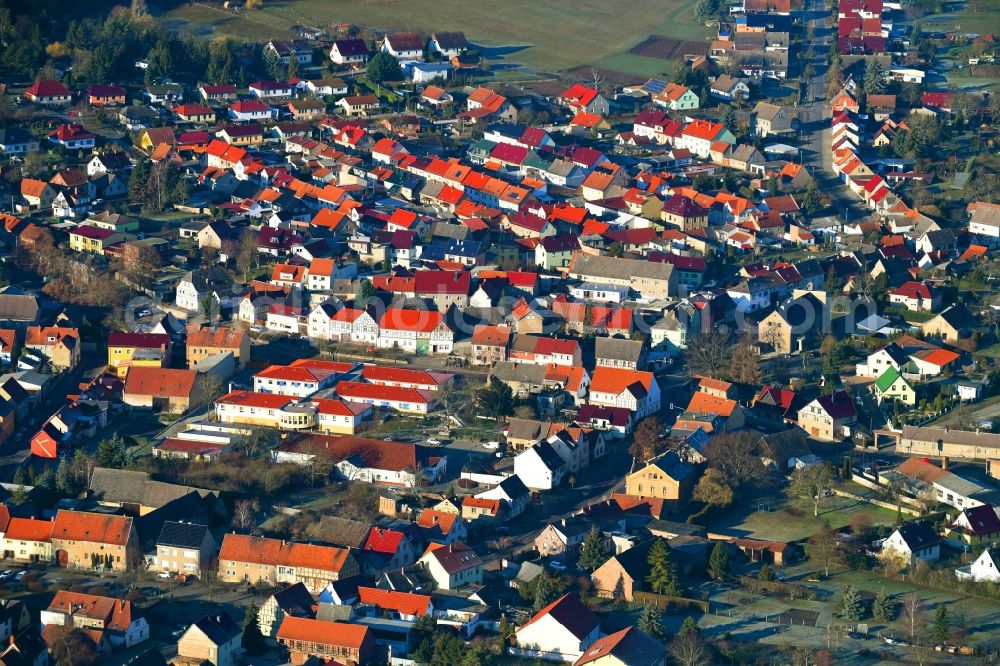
{"x": 417, "y": 331}
{"x": 326, "y": 322}
{"x": 539, "y": 467}
{"x": 121, "y": 621}
{"x": 349, "y": 52}
{"x": 562, "y": 631}
{"x": 635, "y": 390}
{"x": 452, "y": 565}
{"x": 983, "y": 570}
{"x": 296, "y": 380}
{"x": 271, "y": 89}
{"x": 599, "y": 293}
{"x": 512, "y": 492}
{"x": 404, "y": 46}
{"x": 912, "y": 541}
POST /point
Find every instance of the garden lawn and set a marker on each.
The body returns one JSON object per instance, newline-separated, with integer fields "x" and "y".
{"x": 783, "y": 524}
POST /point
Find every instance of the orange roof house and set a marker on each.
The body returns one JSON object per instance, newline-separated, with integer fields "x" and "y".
{"x": 244, "y": 558}
{"x": 305, "y": 637}
{"x": 85, "y": 540}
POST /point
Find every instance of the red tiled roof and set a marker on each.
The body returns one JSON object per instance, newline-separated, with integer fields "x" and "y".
{"x": 160, "y": 382}
{"x": 454, "y": 557}
{"x": 91, "y": 527}
{"x": 28, "y": 529}
{"x": 420, "y": 321}
{"x": 246, "y": 548}
{"x": 378, "y": 392}
{"x": 306, "y": 630}
{"x": 48, "y": 88}
{"x": 405, "y": 603}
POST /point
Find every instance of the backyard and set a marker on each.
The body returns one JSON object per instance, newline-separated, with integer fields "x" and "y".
{"x": 550, "y": 36}
{"x": 773, "y": 519}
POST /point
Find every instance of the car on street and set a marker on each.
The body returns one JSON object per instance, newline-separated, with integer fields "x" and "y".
{"x": 491, "y": 446}
{"x": 433, "y": 441}
{"x": 21, "y": 574}
{"x": 557, "y": 565}
{"x": 164, "y": 574}
{"x": 9, "y": 573}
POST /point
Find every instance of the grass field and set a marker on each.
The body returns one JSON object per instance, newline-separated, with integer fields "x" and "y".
{"x": 780, "y": 524}
{"x": 556, "y": 34}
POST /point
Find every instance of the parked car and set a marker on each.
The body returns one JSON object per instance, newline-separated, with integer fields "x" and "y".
{"x": 557, "y": 565}
{"x": 433, "y": 441}
{"x": 491, "y": 446}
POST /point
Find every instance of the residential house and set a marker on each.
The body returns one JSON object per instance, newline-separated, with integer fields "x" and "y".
{"x": 916, "y": 296}
{"x": 635, "y": 390}
{"x": 59, "y": 344}
{"x": 650, "y": 280}
{"x": 184, "y": 548}
{"x": 666, "y": 477}
{"x": 562, "y": 631}
{"x": 828, "y": 417}
{"x": 729, "y": 89}
{"x": 539, "y": 466}
{"x": 292, "y": 601}
{"x": 768, "y": 119}
{"x": 127, "y": 350}
{"x": 359, "y": 105}
{"x": 208, "y": 341}
{"x": 953, "y": 324}
{"x": 404, "y": 46}
{"x": 448, "y": 44}
{"x": 627, "y": 647}
{"x": 17, "y": 141}
{"x": 983, "y": 570}
{"x": 891, "y": 385}
{"x": 912, "y": 541}
{"x": 215, "y": 639}
{"x": 564, "y": 537}
{"x": 452, "y": 566}
{"x": 976, "y": 525}
{"x": 490, "y": 344}
{"x": 619, "y": 353}
{"x": 47, "y": 92}
{"x": 349, "y": 52}
{"x": 307, "y": 639}
{"x": 416, "y": 331}
{"x": 255, "y": 560}
{"x": 85, "y": 540}
{"x": 73, "y": 136}
{"x": 119, "y": 620}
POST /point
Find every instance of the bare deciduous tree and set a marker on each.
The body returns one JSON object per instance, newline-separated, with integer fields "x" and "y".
{"x": 243, "y": 515}
{"x": 688, "y": 649}
{"x": 911, "y": 616}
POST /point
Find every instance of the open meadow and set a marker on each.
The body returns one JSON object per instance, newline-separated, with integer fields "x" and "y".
{"x": 556, "y": 35}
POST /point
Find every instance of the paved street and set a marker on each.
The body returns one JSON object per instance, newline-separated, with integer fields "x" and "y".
{"x": 815, "y": 118}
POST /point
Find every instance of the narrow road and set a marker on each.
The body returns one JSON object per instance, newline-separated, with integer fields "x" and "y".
{"x": 814, "y": 117}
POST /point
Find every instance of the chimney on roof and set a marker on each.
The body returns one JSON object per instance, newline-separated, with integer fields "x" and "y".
{"x": 944, "y": 462}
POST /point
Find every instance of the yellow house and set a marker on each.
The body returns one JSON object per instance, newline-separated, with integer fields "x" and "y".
{"x": 154, "y": 136}
{"x": 96, "y": 240}
{"x": 27, "y": 540}
{"x": 242, "y": 135}
{"x": 129, "y": 350}
{"x": 59, "y": 344}
{"x": 668, "y": 478}
{"x": 891, "y": 385}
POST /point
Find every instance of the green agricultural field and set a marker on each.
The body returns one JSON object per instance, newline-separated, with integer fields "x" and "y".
{"x": 553, "y": 35}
